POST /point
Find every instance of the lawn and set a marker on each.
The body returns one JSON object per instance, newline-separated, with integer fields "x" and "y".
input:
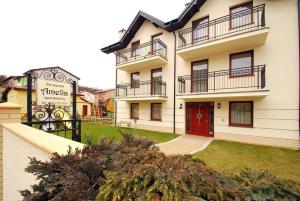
{"x": 231, "y": 157}
{"x": 96, "y": 131}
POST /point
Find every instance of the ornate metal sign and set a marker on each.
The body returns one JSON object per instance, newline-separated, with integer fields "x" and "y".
{"x": 53, "y": 111}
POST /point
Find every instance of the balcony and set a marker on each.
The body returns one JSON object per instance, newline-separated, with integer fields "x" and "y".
{"x": 142, "y": 91}
{"x": 241, "y": 30}
{"x": 242, "y": 82}
{"x": 153, "y": 53}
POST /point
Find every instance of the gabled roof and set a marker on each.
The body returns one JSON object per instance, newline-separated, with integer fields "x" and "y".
{"x": 36, "y": 69}
{"x": 170, "y": 26}
{"x": 11, "y": 77}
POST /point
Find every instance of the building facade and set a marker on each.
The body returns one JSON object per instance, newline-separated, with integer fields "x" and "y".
{"x": 222, "y": 69}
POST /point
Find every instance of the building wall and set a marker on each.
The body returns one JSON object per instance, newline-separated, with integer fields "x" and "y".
{"x": 80, "y": 104}
{"x": 275, "y": 115}
{"x": 30, "y": 142}
{"x": 123, "y": 107}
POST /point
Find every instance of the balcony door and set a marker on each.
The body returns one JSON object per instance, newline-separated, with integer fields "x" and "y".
{"x": 200, "y": 30}
{"x": 156, "y": 81}
{"x": 135, "y": 49}
{"x": 156, "y": 45}
{"x": 199, "y": 77}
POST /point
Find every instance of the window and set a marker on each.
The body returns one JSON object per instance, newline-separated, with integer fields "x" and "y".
{"x": 241, "y": 113}
{"x": 200, "y": 76}
{"x": 200, "y": 30}
{"x": 241, "y": 64}
{"x": 156, "y": 111}
{"x": 135, "y": 80}
{"x": 134, "y": 48}
{"x": 241, "y": 15}
{"x": 156, "y": 45}
{"x": 134, "y": 111}
{"x": 156, "y": 81}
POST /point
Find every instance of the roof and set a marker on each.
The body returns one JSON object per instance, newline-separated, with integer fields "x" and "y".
{"x": 36, "y": 69}
{"x": 102, "y": 91}
{"x": 11, "y": 77}
{"x": 170, "y": 26}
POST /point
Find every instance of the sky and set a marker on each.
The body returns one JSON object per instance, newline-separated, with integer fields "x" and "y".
{"x": 70, "y": 34}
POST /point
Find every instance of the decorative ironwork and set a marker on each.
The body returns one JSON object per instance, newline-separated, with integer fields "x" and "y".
{"x": 142, "y": 88}
{"x": 50, "y": 118}
{"x": 229, "y": 25}
{"x": 247, "y": 77}
{"x": 143, "y": 51}
{"x": 51, "y": 74}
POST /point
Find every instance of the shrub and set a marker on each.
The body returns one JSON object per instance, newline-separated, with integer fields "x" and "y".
{"x": 134, "y": 169}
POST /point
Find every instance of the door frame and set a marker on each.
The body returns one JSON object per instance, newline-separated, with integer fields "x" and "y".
{"x": 194, "y": 27}
{"x": 151, "y": 81}
{"x": 211, "y": 111}
{"x": 192, "y": 74}
{"x": 152, "y": 44}
{"x": 84, "y": 110}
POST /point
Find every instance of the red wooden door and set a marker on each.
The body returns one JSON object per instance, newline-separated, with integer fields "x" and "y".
{"x": 84, "y": 110}
{"x": 198, "y": 120}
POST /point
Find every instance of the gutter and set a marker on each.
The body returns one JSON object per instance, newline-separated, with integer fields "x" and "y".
{"x": 116, "y": 102}
{"x": 174, "y": 87}
{"x": 299, "y": 60}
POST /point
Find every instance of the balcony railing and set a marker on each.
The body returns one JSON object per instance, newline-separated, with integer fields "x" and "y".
{"x": 229, "y": 25}
{"x": 143, "y": 51}
{"x": 223, "y": 81}
{"x": 142, "y": 89}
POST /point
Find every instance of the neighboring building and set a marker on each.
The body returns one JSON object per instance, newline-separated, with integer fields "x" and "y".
{"x": 15, "y": 91}
{"x": 106, "y": 101}
{"x": 222, "y": 69}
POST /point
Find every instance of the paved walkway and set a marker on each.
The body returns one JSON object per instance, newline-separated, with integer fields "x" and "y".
{"x": 186, "y": 144}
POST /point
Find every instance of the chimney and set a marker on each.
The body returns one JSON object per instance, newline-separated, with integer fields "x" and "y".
{"x": 122, "y": 32}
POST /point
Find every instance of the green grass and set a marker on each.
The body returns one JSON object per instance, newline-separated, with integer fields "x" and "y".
{"x": 231, "y": 157}
{"x": 96, "y": 131}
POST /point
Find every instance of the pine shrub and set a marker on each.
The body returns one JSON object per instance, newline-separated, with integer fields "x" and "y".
{"x": 135, "y": 170}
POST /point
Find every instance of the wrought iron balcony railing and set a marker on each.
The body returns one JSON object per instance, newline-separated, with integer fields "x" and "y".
{"x": 142, "y": 89}
{"x": 223, "y": 81}
{"x": 143, "y": 51}
{"x": 229, "y": 25}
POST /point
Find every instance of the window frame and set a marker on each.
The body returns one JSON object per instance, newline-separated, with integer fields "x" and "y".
{"x": 192, "y": 75}
{"x": 133, "y": 50}
{"x": 236, "y": 6}
{"x": 252, "y": 64}
{"x": 152, "y": 43}
{"x": 131, "y": 80}
{"x": 154, "y": 119}
{"x": 195, "y": 40}
{"x": 131, "y": 116}
{"x": 241, "y": 125}
{"x": 153, "y": 84}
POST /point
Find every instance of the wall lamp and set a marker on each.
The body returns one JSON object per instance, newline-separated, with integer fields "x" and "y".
{"x": 219, "y": 105}
{"x": 180, "y": 106}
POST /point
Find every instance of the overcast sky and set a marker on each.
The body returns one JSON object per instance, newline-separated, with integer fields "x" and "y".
{"x": 70, "y": 33}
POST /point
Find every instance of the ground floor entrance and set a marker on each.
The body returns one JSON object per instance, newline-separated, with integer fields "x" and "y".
{"x": 200, "y": 118}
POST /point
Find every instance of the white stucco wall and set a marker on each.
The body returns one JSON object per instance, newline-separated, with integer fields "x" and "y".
{"x": 276, "y": 115}
{"x": 15, "y": 159}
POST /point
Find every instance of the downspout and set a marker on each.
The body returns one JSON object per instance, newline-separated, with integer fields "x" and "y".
{"x": 174, "y": 87}
{"x": 116, "y": 102}
{"x": 299, "y": 60}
